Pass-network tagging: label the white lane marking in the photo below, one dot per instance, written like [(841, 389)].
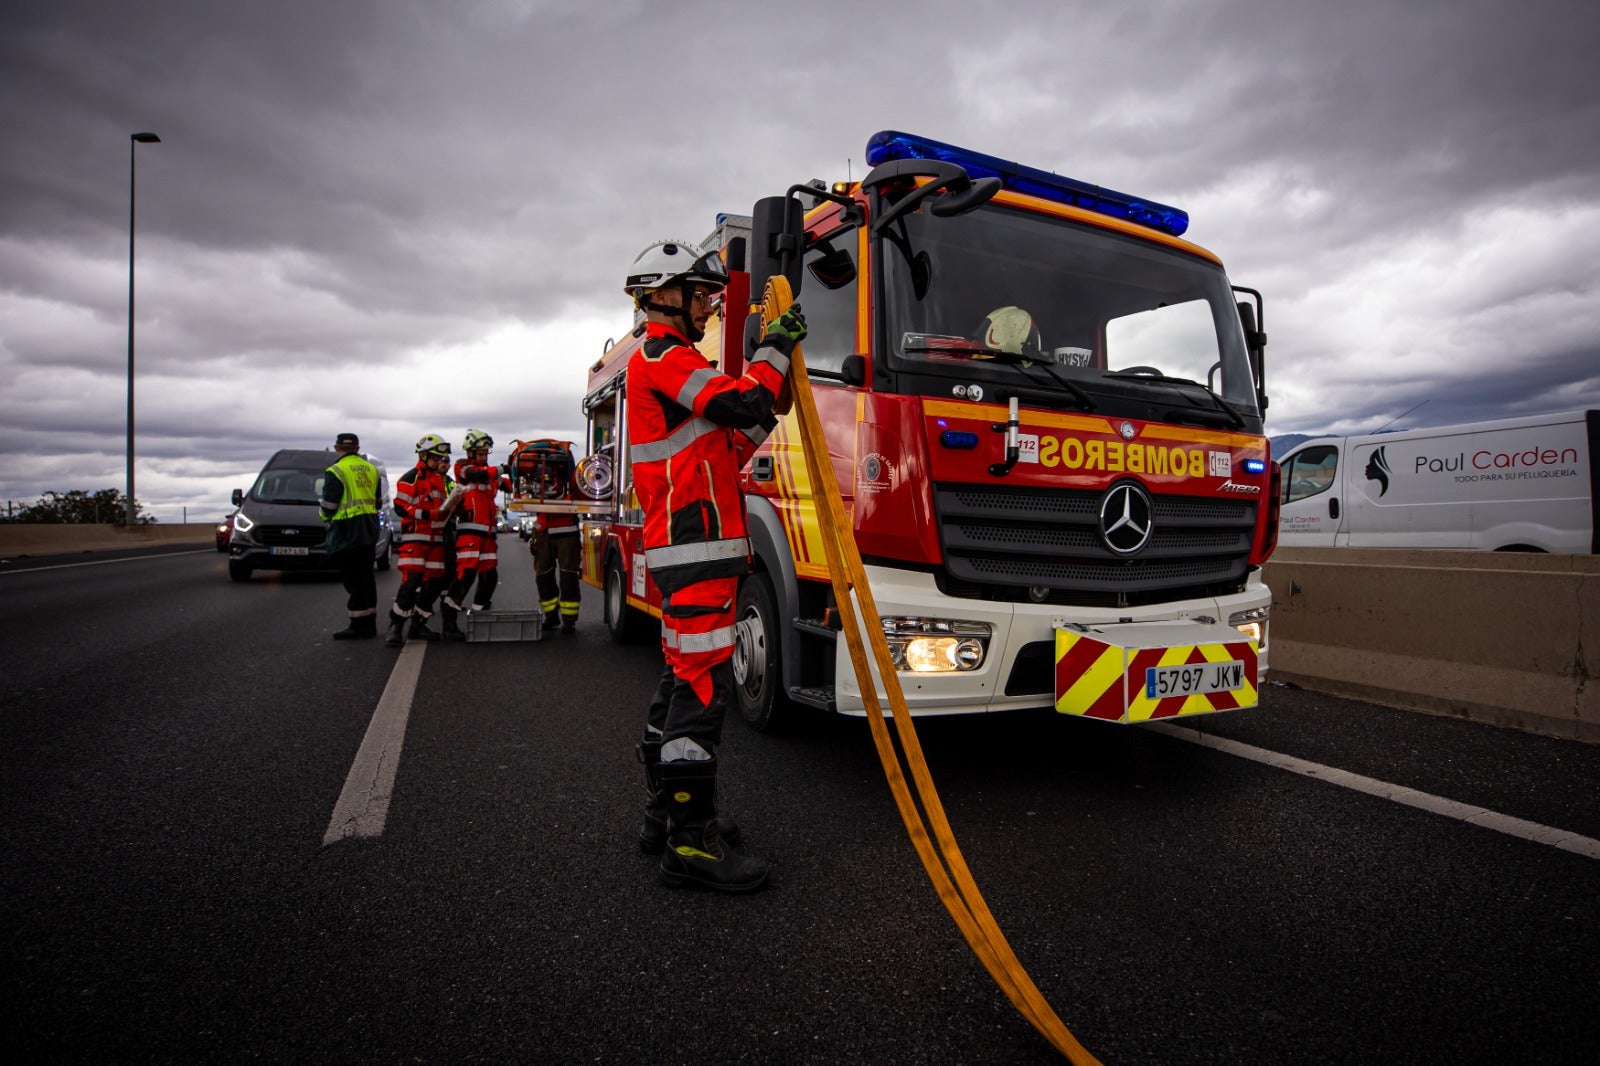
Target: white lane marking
[(363, 806), (100, 562), (1463, 812)]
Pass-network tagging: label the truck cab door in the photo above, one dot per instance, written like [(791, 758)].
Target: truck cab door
[(1311, 510)]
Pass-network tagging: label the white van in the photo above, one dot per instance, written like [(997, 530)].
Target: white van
[(1521, 484)]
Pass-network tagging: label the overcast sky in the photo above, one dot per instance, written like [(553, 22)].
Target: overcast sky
[(408, 216)]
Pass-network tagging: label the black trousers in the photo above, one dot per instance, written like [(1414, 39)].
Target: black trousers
[(355, 570)]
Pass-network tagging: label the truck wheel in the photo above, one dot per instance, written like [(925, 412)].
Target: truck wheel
[(627, 625), (757, 665), (383, 561), (238, 571)]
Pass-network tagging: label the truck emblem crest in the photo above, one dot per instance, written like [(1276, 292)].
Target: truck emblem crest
[(1125, 518)]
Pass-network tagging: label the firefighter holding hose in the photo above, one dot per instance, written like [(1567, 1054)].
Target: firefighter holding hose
[(692, 428)]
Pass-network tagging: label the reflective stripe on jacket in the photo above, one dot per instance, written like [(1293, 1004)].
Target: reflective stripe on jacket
[(691, 429), (419, 495), (480, 484)]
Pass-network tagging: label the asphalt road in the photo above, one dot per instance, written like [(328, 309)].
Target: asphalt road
[(174, 745)]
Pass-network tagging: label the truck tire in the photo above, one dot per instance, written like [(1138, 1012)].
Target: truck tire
[(383, 561), (238, 571), (627, 625), (757, 662)]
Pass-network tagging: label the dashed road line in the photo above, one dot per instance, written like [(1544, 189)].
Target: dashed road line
[(1462, 812), (363, 806)]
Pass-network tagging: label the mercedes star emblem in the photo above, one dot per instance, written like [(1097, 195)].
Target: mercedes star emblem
[(1125, 513)]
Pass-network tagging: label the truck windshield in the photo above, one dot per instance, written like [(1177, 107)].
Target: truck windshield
[(1001, 294)]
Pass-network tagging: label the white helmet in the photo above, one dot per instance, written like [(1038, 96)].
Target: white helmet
[(433, 444), (1011, 329), (666, 262)]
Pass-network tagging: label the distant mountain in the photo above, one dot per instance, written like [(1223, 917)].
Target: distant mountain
[(1283, 445)]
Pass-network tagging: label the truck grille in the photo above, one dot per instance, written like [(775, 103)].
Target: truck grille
[(999, 541)]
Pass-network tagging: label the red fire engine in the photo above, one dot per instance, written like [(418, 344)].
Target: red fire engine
[(1044, 414)]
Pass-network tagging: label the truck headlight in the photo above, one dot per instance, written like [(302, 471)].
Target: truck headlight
[(1252, 623), (936, 645)]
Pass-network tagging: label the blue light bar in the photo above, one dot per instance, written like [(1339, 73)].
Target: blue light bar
[(1254, 466), (888, 145)]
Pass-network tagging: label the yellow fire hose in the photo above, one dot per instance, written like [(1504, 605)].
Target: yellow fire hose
[(955, 886)]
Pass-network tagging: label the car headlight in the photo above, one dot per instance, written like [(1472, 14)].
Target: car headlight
[(936, 645), (242, 523)]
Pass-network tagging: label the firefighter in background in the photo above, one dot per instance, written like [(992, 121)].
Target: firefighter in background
[(419, 497), (476, 558), (557, 552), (692, 428)]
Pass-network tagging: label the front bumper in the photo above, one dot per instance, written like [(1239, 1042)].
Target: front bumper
[(1018, 671)]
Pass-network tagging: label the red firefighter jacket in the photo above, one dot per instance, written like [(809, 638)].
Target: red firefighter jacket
[(480, 483), (692, 428), (418, 496)]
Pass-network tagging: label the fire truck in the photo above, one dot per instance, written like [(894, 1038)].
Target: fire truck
[(1043, 411)]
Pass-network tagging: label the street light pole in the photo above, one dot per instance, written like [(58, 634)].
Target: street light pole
[(134, 140)]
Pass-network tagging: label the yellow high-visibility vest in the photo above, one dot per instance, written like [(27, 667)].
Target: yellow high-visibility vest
[(360, 481)]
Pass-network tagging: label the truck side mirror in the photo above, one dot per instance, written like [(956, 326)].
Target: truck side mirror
[(777, 243), (1253, 320), (854, 370), (238, 497)]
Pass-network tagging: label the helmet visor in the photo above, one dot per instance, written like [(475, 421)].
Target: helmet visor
[(708, 269)]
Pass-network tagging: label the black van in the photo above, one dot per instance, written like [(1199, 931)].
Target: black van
[(278, 525)]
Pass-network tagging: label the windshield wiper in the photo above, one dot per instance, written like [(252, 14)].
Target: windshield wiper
[(1152, 375), (1018, 360)]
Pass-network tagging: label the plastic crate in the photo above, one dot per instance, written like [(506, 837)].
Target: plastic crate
[(495, 626)]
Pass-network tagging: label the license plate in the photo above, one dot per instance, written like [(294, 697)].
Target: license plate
[(291, 551), (1193, 680)]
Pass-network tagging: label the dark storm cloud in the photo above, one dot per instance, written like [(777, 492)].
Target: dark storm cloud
[(365, 191)]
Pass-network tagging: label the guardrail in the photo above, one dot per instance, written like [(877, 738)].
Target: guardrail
[(26, 538), (1491, 636)]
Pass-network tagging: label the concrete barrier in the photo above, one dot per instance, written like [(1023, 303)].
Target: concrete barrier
[(1491, 636), (18, 538)]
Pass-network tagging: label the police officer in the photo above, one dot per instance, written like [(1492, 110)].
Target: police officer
[(692, 428), (349, 506)]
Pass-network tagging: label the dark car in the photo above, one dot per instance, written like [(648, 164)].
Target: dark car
[(278, 525), (224, 533)]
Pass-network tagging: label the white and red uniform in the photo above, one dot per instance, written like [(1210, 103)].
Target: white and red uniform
[(692, 428), (476, 554)]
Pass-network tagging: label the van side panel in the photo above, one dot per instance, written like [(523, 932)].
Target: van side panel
[(1526, 483), (1402, 493)]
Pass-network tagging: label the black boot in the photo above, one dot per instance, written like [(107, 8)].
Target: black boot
[(653, 833), (362, 628), (451, 630), (420, 630), (396, 637), (696, 854)]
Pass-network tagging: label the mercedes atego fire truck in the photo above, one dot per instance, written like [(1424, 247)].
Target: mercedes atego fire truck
[(1043, 411)]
